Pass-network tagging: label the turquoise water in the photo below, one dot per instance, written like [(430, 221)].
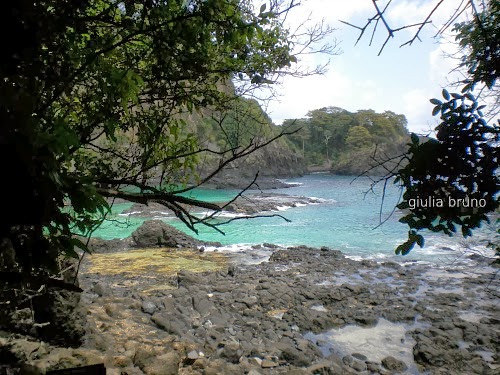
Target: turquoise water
[(347, 220)]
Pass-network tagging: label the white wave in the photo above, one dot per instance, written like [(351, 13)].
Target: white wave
[(355, 257), (130, 213), (230, 214), (291, 183), (236, 248), (321, 200), (283, 208), (244, 254)]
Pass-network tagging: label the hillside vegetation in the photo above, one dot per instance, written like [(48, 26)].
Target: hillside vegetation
[(245, 123), (346, 142)]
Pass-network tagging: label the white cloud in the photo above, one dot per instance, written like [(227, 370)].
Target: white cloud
[(401, 80), (330, 10), (417, 109), (442, 64), (301, 95)]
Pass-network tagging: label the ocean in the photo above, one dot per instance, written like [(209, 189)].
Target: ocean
[(347, 219)]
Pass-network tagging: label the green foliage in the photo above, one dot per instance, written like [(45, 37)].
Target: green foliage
[(358, 137), (97, 94), (350, 138), (481, 38), (460, 165), (458, 168)]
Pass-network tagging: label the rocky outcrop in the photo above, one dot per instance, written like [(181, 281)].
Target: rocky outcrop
[(255, 203), (52, 314), (100, 246), (152, 233), (251, 203), (156, 233), (276, 160)]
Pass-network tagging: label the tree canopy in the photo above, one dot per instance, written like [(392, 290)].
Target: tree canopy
[(95, 97), (345, 142)]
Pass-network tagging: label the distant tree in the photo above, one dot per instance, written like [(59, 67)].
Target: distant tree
[(327, 134), (359, 137), (304, 135)]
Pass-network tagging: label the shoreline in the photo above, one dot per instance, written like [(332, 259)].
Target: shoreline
[(290, 315)]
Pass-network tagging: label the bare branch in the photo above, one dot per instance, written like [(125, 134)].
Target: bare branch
[(253, 217)]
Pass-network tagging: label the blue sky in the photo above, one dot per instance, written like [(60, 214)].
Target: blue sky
[(401, 79)]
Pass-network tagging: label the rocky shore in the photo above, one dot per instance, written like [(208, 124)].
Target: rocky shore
[(249, 204), (303, 311)]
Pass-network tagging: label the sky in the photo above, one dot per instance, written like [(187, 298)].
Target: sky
[(401, 79)]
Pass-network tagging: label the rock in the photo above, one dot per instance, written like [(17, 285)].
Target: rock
[(156, 233), (270, 245), (101, 289), (326, 368), (295, 357), (255, 361), (359, 366), (373, 367), (170, 324), (359, 356), (393, 364), (166, 364), (65, 316), (148, 307), (193, 354), (267, 363), (428, 355), (258, 319), (143, 356), (122, 361), (100, 246), (347, 360), (231, 351), (186, 278)]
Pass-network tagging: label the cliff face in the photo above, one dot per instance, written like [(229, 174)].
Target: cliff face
[(244, 125), (277, 160)]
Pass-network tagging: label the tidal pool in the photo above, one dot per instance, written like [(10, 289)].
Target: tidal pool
[(383, 340)]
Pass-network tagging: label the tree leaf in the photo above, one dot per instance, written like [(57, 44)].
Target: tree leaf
[(446, 94)]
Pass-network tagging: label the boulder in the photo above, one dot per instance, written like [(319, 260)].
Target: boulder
[(156, 233), (393, 364), (100, 246)]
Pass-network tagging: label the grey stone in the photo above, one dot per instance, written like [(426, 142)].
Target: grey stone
[(359, 356), (156, 233), (186, 278), (393, 364), (169, 324), (267, 363), (148, 307), (193, 354), (295, 357), (101, 289), (166, 364), (358, 365), (231, 351)]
